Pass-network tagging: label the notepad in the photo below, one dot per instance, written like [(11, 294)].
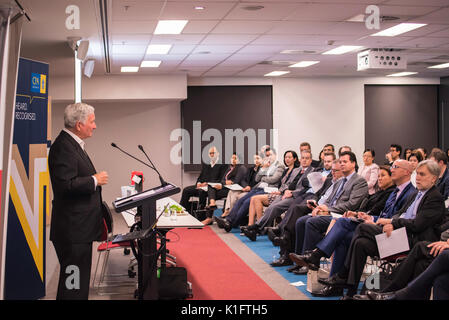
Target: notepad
[(235, 187), (214, 184), (396, 243), (270, 189)]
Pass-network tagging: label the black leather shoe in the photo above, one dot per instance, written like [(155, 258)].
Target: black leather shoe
[(273, 233), (254, 227), (219, 221), (280, 241), (305, 261), (335, 281), (227, 225), (282, 261), (328, 291), (301, 270), (292, 269), (347, 298), (251, 234), (372, 295)]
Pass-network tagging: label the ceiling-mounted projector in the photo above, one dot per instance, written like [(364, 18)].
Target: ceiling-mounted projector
[(381, 59)]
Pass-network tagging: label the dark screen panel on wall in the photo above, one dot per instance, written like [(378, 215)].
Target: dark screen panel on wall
[(402, 114), (232, 118)]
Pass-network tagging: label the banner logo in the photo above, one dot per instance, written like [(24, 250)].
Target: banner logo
[(38, 83)]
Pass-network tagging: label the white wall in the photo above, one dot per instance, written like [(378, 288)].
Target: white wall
[(129, 124)]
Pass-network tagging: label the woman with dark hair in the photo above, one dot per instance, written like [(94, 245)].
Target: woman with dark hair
[(234, 174), (259, 201), (369, 170), (415, 158), (407, 153)]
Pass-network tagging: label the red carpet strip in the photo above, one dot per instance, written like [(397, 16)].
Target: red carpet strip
[(215, 271)]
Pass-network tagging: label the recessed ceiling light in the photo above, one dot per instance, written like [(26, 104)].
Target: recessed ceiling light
[(357, 18), (292, 51), (129, 69), (158, 48), (304, 64), (150, 64), (401, 74), (253, 8), (440, 66), (398, 29), (276, 73), (170, 26), (199, 8), (343, 49)]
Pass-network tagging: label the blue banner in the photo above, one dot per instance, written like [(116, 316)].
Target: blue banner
[(29, 185)]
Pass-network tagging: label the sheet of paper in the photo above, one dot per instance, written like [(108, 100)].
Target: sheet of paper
[(203, 188), (270, 189), (213, 184), (235, 187), (297, 284), (336, 215), (396, 243)]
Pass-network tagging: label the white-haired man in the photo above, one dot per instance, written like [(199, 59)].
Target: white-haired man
[(77, 218)]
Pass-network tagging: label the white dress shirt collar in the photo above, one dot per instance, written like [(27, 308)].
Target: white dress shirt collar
[(74, 136)]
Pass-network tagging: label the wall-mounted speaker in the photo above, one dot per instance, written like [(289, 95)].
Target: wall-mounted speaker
[(89, 67)]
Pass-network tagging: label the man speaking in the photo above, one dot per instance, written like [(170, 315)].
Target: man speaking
[(77, 218)]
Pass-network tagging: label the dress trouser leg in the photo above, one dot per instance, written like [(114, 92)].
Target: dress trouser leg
[(187, 192), (75, 260)]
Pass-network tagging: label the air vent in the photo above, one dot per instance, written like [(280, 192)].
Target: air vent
[(277, 63), (253, 8), (388, 18), (298, 52)]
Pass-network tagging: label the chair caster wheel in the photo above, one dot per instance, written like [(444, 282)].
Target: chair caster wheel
[(126, 251), (131, 273)]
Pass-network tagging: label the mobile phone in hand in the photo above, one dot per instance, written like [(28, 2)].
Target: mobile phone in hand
[(312, 203)]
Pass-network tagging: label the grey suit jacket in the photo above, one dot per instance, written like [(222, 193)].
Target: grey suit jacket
[(271, 177), (353, 193), (299, 187)]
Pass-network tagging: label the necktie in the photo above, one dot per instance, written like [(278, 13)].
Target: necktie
[(411, 210), (338, 193), (388, 210)]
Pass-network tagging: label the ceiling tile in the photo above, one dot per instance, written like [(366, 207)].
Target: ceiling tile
[(220, 39), (243, 27), (135, 10), (186, 10), (271, 11), (323, 12)]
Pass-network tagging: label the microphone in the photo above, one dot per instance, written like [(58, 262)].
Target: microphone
[(163, 183), (116, 146)]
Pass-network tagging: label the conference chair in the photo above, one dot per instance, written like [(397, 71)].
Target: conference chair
[(105, 247)]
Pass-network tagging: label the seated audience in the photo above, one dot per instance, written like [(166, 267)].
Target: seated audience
[(259, 201), (211, 172), (419, 216), (394, 154), (383, 203), (443, 181), (284, 234), (269, 175), (414, 158), (369, 170), (347, 195), (283, 200), (234, 174), (305, 146), (407, 153), (247, 183)]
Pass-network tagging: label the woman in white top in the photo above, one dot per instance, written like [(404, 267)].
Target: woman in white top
[(414, 159), (369, 170)]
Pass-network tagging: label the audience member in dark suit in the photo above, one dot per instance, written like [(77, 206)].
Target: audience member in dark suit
[(416, 262), (384, 203), (234, 174), (290, 173), (419, 216), (247, 184), (211, 172), (77, 218), (268, 176), (394, 154), (443, 181), (305, 146), (347, 195), (284, 235), (290, 191)]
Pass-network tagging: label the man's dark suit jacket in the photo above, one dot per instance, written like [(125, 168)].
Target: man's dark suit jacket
[(211, 174), (429, 216), (76, 214)]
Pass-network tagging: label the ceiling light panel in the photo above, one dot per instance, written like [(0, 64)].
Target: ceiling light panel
[(170, 26), (150, 64), (129, 69), (440, 66), (304, 64), (276, 73), (401, 74), (398, 29), (343, 49)]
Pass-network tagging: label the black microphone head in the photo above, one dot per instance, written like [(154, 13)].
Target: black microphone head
[(114, 145), (140, 147)]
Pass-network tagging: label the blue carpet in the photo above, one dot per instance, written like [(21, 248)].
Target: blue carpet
[(267, 252)]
